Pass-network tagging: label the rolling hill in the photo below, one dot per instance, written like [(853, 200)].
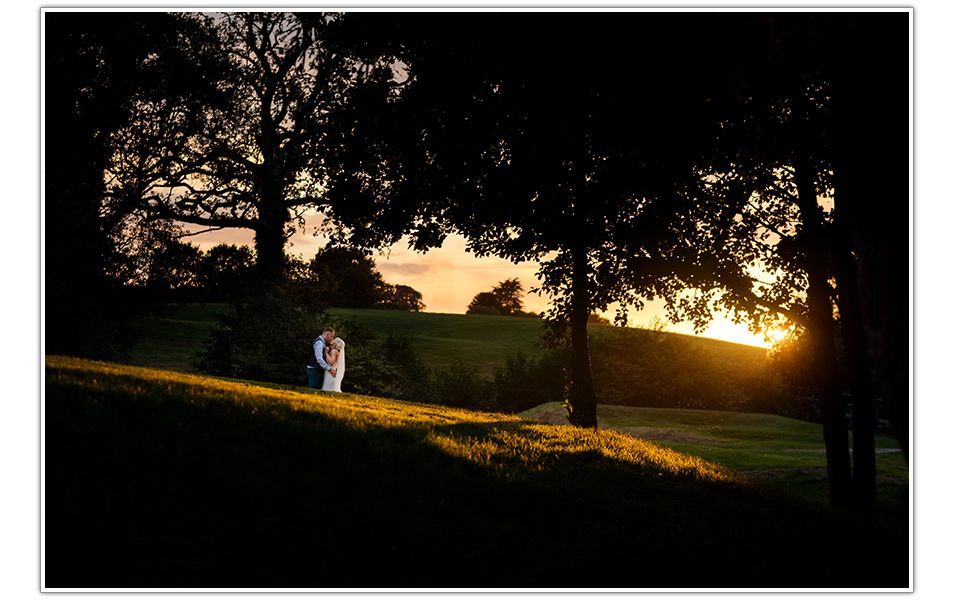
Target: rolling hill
[(160, 479), (480, 341)]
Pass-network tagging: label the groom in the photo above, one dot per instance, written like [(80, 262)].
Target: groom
[(316, 361)]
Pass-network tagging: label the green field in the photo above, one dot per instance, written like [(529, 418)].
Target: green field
[(169, 343), (482, 342), (785, 452), (164, 479)]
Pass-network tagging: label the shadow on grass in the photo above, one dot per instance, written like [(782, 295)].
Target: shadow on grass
[(169, 491)]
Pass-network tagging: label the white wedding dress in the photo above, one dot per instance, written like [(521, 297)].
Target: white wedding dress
[(333, 384)]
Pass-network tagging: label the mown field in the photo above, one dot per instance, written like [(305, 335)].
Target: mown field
[(480, 341), (162, 479), (784, 452)]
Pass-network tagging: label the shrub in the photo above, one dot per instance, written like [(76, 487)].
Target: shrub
[(463, 387), (523, 382), (480, 309), (268, 338), (264, 338), (412, 380)]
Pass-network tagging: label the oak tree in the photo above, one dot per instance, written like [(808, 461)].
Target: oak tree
[(262, 166), (557, 138)]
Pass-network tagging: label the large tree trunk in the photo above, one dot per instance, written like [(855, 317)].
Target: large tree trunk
[(856, 352), (821, 329), (873, 190), (270, 236), (582, 390), (270, 252)]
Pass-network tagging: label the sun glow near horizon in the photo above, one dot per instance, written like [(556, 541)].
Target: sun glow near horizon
[(449, 277)]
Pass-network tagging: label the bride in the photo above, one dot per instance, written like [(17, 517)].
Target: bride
[(334, 356)]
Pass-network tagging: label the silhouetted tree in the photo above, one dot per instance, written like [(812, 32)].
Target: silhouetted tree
[(779, 152), (872, 220), (106, 75), (224, 273), (506, 298), (401, 297), (264, 163), (351, 278), (566, 162), (174, 272), (510, 295), (485, 303)]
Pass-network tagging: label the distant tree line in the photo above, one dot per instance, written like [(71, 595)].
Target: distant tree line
[(336, 277)]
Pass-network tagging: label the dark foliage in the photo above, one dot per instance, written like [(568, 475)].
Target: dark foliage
[(401, 297), (641, 367), (411, 379), (100, 69), (484, 303), (267, 337), (505, 298), (462, 387), (350, 278), (632, 367), (264, 338), (520, 384), (224, 272), (523, 382)]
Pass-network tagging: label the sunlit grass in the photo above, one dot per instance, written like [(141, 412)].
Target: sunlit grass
[(176, 480), (780, 450), (506, 445)]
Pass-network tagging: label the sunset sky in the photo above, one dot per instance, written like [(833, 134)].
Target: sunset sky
[(449, 278)]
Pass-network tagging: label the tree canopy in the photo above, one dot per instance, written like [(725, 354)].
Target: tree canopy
[(261, 165), (561, 141), (121, 92)]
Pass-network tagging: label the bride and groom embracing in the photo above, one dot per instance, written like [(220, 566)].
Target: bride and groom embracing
[(326, 363)]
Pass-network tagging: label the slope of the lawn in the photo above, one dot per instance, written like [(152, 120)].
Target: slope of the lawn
[(785, 451), (161, 479), (481, 342)]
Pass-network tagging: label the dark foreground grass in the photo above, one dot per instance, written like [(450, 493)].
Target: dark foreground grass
[(160, 479)]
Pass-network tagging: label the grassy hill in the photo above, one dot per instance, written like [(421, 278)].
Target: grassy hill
[(786, 452), (480, 341), (163, 479)]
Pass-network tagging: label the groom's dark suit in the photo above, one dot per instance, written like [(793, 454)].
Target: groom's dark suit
[(317, 364)]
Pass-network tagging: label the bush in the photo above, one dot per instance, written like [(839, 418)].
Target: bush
[(520, 384), (412, 380), (264, 338), (523, 383), (480, 309), (269, 338), (463, 387)]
